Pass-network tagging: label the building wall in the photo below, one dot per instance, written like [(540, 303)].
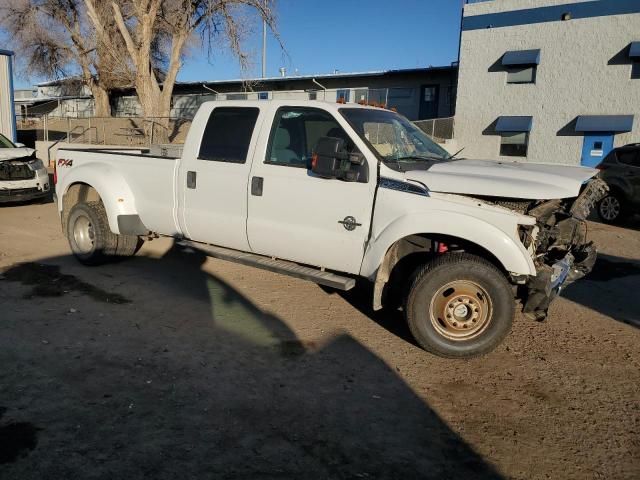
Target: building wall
[(7, 116), (583, 71), (405, 85)]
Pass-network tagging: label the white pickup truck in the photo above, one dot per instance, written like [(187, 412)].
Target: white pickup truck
[(331, 192)]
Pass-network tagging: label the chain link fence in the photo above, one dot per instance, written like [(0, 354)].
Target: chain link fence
[(439, 129), (121, 131), (144, 132)]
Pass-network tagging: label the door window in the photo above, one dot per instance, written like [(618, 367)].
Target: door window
[(228, 134), (629, 157), (296, 133)]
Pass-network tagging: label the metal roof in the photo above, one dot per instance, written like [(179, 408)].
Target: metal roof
[(604, 123), (8, 53), (371, 73), (514, 124), (521, 57)]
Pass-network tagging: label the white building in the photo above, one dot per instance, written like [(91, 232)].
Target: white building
[(7, 113), (548, 80)]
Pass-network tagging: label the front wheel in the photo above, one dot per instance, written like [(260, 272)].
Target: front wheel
[(459, 306)]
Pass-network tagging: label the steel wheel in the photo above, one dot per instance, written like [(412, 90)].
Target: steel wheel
[(84, 234), (461, 310), (610, 208)]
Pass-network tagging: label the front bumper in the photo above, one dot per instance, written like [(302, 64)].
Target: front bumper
[(552, 279), (24, 190)]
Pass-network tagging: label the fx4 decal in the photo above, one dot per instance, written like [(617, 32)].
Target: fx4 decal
[(63, 162)]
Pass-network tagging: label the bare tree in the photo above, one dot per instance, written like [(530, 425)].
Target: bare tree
[(56, 39), (159, 31)]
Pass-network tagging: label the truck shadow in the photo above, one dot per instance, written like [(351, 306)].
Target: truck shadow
[(610, 289), (185, 377)]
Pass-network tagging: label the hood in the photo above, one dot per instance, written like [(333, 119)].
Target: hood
[(534, 181), (15, 153)]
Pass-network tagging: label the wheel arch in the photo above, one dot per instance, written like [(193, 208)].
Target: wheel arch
[(477, 237), (98, 183)]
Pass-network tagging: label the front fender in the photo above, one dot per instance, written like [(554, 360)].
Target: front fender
[(114, 191), (509, 251)]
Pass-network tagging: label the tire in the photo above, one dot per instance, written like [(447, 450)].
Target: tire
[(611, 209), (459, 306), (91, 240)]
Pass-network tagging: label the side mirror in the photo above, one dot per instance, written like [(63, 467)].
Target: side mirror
[(19, 145), (331, 160)]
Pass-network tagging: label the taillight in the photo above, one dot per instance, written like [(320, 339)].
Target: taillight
[(314, 160), (55, 173)]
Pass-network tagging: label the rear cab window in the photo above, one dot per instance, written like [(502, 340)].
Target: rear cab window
[(228, 133), (629, 156)]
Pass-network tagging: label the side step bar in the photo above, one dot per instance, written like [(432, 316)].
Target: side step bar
[(278, 266)]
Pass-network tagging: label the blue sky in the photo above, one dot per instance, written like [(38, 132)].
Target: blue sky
[(347, 35)]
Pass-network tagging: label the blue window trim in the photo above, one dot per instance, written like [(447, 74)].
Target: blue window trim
[(521, 57), (590, 9), (604, 123), (514, 124), (634, 50)]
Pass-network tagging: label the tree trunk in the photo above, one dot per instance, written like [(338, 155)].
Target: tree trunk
[(101, 101)]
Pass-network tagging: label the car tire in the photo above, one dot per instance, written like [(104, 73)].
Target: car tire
[(91, 240), (459, 306), (611, 209)]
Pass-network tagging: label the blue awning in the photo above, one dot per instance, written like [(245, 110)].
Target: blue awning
[(634, 50), (521, 57), (514, 124), (604, 123)]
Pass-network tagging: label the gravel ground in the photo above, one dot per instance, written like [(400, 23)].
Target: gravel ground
[(172, 365)]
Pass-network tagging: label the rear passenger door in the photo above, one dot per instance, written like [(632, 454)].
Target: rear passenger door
[(214, 174)]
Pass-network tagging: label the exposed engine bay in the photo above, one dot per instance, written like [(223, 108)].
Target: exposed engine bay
[(562, 253)]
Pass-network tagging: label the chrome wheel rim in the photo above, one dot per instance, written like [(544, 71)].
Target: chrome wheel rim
[(610, 208), (461, 310), (83, 234)]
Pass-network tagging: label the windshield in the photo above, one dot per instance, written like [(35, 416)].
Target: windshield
[(5, 142), (395, 139)]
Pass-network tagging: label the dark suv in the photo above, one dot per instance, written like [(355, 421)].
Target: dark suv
[(621, 170)]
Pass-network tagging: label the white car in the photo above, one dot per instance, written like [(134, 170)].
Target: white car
[(330, 192), (22, 176)]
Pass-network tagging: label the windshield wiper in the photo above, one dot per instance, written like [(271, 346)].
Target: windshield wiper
[(451, 157), (418, 157)]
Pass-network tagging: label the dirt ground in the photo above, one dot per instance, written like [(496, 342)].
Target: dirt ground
[(170, 365)]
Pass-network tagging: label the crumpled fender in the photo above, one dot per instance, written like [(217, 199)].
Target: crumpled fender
[(113, 189), (513, 256)]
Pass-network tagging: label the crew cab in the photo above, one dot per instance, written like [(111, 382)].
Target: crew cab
[(22, 176), (334, 192)]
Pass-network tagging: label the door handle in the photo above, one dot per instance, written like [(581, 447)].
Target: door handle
[(256, 186), (191, 179)]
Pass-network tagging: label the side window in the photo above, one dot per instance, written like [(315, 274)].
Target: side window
[(228, 134), (526, 74), (629, 157), (296, 133), (514, 144)]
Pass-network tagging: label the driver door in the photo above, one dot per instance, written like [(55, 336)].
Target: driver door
[(298, 216)]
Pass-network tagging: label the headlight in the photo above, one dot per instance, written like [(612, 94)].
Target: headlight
[(36, 164)]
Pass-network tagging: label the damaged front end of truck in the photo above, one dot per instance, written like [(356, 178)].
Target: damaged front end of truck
[(558, 241)]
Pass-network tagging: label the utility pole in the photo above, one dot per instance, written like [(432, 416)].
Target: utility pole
[(264, 48)]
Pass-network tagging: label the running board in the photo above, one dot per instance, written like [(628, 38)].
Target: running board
[(273, 265)]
